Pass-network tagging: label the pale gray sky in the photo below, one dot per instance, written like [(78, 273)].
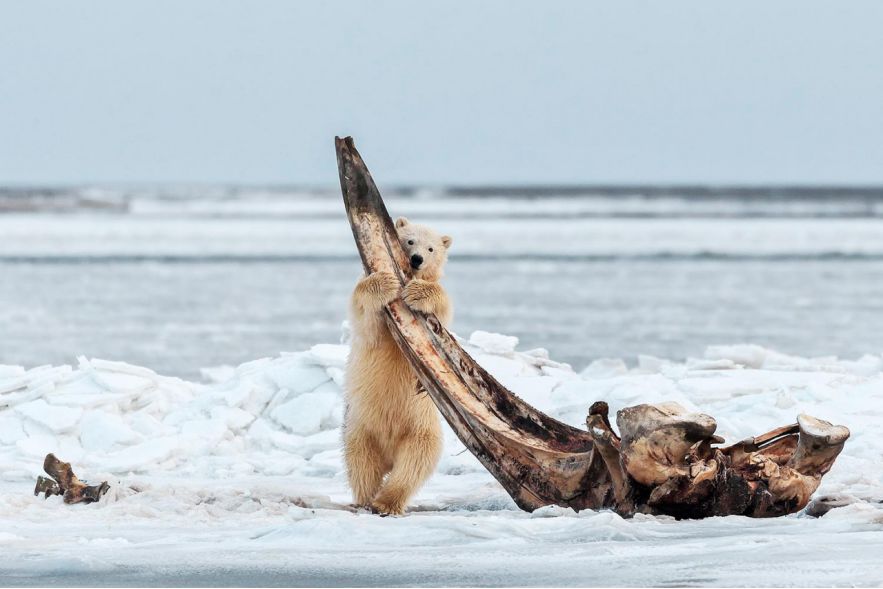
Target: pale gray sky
[(442, 92)]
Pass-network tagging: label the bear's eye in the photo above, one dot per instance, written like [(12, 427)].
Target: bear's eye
[(430, 249), (410, 242)]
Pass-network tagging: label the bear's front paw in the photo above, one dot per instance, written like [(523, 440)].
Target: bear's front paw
[(382, 287), (420, 295)]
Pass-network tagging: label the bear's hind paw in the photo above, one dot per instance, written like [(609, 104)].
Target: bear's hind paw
[(384, 509)]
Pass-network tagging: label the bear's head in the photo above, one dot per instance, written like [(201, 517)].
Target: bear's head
[(427, 251)]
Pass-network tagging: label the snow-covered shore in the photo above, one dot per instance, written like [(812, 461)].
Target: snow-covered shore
[(242, 472)]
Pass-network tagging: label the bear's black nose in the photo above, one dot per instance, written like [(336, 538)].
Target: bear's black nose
[(416, 260)]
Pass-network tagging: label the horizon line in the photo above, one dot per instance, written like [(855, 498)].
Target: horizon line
[(563, 188)]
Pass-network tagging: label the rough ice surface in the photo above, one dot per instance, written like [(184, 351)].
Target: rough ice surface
[(493, 343), (243, 472)]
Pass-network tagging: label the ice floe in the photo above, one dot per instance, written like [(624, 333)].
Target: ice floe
[(251, 456)]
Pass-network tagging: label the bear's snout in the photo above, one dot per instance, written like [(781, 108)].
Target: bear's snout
[(416, 260)]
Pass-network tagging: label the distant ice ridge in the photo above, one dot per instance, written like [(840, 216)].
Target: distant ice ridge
[(221, 222), (441, 201)]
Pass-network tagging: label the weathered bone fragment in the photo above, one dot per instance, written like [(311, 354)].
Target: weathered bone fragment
[(818, 446), (661, 442), (666, 461), (608, 446), (48, 487), (65, 482), (822, 505)]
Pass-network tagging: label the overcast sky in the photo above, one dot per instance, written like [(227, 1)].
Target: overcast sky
[(442, 92)]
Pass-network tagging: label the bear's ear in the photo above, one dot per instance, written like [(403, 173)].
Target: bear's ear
[(446, 241), (401, 222)]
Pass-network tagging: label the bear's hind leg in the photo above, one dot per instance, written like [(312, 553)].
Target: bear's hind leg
[(414, 462), (365, 466)]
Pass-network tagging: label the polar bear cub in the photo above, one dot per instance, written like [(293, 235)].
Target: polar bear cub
[(392, 434)]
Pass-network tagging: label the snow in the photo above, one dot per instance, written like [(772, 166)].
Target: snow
[(243, 472), (306, 414), (101, 431), (493, 343), (57, 419)]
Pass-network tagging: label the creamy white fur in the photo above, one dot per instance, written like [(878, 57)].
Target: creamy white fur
[(392, 435)]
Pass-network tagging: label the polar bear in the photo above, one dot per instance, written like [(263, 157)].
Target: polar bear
[(392, 435)]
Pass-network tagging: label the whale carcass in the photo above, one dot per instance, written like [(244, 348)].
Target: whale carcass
[(664, 460)]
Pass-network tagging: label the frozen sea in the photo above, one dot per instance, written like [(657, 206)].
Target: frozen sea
[(179, 279), (184, 344)]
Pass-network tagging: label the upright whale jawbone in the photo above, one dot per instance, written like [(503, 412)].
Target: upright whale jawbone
[(666, 461)]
